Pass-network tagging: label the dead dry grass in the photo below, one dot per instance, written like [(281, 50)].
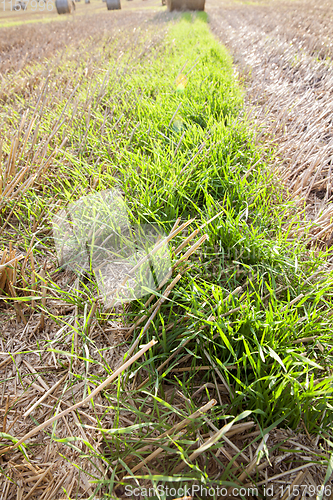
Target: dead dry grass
[(43, 385), (284, 50)]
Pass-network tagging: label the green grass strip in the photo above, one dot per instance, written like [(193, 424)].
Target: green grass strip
[(249, 307)]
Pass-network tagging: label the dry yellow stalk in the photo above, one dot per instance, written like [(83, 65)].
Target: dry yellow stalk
[(96, 391)]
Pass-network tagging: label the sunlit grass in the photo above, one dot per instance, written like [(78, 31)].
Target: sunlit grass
[(246, 316)]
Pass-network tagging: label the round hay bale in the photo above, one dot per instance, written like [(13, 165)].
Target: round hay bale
[(113, 4), (186, 5), (64, 6)]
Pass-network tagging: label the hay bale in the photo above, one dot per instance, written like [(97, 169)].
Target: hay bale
[(64, 6), (113, 4), (186, 5)]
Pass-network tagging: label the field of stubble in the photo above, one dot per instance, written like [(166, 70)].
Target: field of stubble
[(285, 51)]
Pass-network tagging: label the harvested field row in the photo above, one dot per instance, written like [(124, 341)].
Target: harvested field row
[(285, 50), (21, 45)]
